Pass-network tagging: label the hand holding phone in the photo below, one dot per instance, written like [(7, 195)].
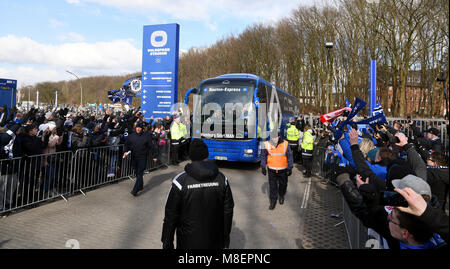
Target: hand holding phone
[(392, 198)]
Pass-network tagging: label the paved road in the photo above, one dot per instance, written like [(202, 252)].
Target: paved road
[(111, 218)]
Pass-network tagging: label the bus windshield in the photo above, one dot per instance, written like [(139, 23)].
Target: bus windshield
[(230, 106)]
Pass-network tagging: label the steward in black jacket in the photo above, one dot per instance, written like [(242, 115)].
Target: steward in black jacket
[(437, 177), (199, 206)]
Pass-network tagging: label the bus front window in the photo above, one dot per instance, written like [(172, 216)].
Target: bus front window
[(227, 111)]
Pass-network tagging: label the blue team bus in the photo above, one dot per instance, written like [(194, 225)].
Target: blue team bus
[(232, 112)]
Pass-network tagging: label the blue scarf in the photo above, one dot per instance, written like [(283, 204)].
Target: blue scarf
[(435, 241)]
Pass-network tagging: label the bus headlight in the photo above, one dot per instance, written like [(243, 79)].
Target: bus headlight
[(248, 150)]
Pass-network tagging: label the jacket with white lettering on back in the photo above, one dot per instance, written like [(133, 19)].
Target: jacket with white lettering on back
[(199, 208)]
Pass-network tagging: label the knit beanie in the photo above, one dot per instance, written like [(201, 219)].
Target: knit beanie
[(372, 154), (396, 171), (198, 150)]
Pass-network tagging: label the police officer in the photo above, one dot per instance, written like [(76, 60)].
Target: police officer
[(292, 136), (139, 144), (307, 150), (276, 159), (177, 132)]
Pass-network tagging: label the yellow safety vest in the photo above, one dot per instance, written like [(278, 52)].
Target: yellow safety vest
[(292, 133), (307, 144), (176, 131)]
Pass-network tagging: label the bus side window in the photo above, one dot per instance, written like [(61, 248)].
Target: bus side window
[(262, 94)]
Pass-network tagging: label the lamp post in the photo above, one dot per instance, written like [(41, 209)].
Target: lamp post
[(81, 87), (329, 46)]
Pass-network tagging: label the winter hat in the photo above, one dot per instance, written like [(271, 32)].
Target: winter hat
[(140, 124), (434, 131), (51, 126), (29, 127), (48, 114), (43, 127), (90, 125), (198, 150), (397, 170), (372, 154), (419, 185)]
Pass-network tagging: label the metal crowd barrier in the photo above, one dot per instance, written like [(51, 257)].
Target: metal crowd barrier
[(318, 163), (356, 232), (31, 180)]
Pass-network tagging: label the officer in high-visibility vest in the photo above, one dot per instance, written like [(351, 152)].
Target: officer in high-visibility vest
[(292, 136), (182, 150), (276, 159), (176, 136), (307, 149)]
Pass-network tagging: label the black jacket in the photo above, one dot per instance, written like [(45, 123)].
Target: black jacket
[(437, 178), (200, 208), (140, 145)]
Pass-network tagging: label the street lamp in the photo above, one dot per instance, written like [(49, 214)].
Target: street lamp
[(329, 46), (81, 87)]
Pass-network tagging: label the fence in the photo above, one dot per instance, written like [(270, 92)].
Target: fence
[(35, 179), (356, 232)]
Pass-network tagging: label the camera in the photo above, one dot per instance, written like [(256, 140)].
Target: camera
[(392, 198)]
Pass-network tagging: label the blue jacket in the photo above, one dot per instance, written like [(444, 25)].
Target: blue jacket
[(379, 170)]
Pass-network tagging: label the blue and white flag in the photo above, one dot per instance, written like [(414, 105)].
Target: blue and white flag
[(357, 106), (118, 95), (377, 119), (130, 88), (377, 109)]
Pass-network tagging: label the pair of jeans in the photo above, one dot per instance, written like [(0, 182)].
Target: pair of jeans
[(139, 168)]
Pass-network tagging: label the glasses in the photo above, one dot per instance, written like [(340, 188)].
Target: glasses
[(389, 217), (431, 160)]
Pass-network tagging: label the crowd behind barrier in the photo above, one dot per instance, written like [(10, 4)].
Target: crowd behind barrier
[(50, 154), (67, 174), (326, 162)]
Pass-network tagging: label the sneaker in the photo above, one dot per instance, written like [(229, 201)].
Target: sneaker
[(281, 200)]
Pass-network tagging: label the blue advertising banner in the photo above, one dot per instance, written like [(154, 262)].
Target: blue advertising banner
[(8, 90), (159, 69)]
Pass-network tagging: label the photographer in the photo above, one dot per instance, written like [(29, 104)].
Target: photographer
[(400, 228), (426, 145)]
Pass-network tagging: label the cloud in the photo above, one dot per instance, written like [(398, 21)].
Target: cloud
[(33, 61), (204, 10)]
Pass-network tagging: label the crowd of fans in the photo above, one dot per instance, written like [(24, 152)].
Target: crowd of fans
[(369, 163), (364, 164), (35, 132)]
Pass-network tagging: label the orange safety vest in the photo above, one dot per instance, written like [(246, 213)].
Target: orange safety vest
[(276, 158)]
